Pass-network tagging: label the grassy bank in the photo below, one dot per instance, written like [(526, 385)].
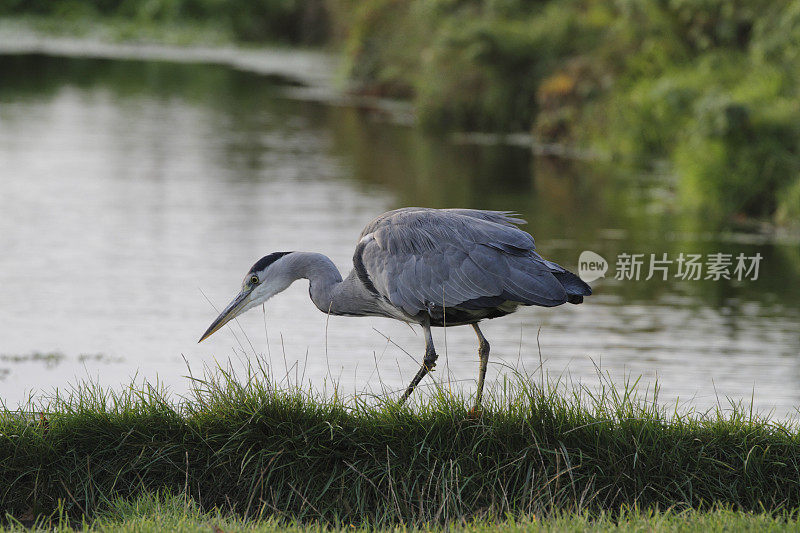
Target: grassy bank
[(243, 447), (154, 512)]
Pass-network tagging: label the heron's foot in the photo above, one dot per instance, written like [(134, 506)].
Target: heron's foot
[(428, 365)]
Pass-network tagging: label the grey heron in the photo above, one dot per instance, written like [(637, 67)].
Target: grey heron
[(432, 267)]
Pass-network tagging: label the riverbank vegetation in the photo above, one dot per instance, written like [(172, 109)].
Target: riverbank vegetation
[(250, 450), (709, 87)]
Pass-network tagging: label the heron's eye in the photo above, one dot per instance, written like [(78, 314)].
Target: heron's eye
[(254, 280)]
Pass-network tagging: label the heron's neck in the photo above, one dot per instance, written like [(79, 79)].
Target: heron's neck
[(328, 291), (323, 276)]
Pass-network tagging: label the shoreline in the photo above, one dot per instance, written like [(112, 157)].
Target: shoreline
[(311, 68), (312, 75)]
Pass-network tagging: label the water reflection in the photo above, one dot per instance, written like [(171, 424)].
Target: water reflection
[(128, 186)]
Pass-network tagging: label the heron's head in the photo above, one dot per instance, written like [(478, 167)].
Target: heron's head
[(264, 280)]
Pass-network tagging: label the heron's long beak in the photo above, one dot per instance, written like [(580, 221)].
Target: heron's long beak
[(230, 312)]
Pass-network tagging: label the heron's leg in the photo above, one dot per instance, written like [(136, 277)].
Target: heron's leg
[(427, 363), (483, 353)]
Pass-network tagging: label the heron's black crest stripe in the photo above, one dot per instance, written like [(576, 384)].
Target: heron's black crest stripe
[(361, 270), (267, 260)]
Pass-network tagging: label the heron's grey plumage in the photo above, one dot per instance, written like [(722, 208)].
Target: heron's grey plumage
[(434, 267), (467, 263)]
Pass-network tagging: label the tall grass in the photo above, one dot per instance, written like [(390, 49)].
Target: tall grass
[(241, 444)]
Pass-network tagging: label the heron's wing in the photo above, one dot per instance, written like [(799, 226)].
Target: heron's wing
[(418, 258), (505, 218)]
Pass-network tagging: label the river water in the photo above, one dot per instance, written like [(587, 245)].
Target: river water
[(134, 196)]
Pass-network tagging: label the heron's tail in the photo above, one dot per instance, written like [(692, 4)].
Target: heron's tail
[(576, 288)]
